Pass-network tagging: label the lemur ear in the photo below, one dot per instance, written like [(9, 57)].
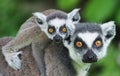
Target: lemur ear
[(109, 30), (71, 29), (74, 15), (70, 32), (40, 18)]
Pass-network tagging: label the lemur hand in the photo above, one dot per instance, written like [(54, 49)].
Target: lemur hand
[(13, 59)]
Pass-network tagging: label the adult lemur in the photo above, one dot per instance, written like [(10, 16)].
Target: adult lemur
[(56, 24), (89, 44)]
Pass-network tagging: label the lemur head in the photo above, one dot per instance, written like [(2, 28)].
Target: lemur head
[(58, 25), (90, 41)]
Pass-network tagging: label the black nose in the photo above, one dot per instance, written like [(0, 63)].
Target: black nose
[(89, 57), (57, 38)]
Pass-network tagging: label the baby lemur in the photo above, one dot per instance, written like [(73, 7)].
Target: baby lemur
[(89, 44), (38, 30)]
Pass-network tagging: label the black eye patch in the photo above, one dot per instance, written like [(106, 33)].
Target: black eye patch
[(98, 43), (51, 29), (63, 29), (79, 43), (39, 21)]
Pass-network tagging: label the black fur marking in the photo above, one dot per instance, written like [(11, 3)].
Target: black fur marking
[(62, 28), (90, 27), (76, 17), (100, 39), (57, 38), (89, 57), (57, 14), (51, 27), (68, 39), (39, 21), (109, 34), (65, 59), (84, 46)]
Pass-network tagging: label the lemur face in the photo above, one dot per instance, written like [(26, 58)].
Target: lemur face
[(90, 41), (58, 25), (57, 29)]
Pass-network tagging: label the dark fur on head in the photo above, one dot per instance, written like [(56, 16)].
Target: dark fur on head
[(90, 27), (59, 14)]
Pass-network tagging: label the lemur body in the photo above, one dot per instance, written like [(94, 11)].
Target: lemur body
[(33, 31), (89, 44)]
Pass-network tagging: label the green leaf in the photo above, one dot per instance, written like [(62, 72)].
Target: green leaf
[(67, 4), (99, 10)]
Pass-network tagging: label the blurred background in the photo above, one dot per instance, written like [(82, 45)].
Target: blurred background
[(14, 12)]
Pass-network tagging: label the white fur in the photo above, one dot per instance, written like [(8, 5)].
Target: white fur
[(81, 67), (77, 60), (70, 26), (12, 59), (109, 26), (88, 38), (40, 16), (74, 12), (57, 22)]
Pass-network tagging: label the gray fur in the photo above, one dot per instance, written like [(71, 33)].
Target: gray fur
[(57, 60), (1, 74), (90, 27), (57, 56), (59, 14)]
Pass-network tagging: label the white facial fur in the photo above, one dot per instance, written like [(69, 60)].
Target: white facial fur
[(57, 23), (76, 54), (89, 38)]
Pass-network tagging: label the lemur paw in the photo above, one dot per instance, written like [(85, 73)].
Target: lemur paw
[(13, 60)]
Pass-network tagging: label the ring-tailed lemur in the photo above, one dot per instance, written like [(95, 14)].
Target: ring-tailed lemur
[(89, 44), (34, 32), (57, 25)]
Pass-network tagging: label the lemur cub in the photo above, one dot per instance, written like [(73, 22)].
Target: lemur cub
[(58, 26), (38, 30), (89, 44)]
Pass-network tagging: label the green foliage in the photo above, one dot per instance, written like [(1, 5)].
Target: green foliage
[(99, 10), (10, 17), (117, 16), (67, 4)]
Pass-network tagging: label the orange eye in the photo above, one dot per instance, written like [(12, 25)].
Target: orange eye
[(79, 44), (98, 43), (50, 30), (64, 29)]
